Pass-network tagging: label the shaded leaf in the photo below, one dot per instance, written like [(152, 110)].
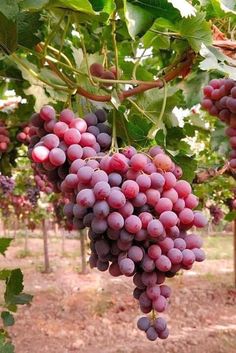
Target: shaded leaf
[(4, 244), (9, 8), (28, 23), (14, 285), (107, 6), (33, 4), (22, 299), (8, 35), (230, 216), (7, 318), (188, 165)]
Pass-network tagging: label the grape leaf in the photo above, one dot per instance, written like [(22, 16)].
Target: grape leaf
[(8, 35), (107, 6), (14, 285), (7, 318), (10, 9), (4, 244), (196, 30), (192, 87), (184, 7), (157, 41), (4, 274), (33, 4), (188, 165), (28, 23), (21, 299), (230, 216), (83, 6), (138, 20), (5, 345), (158, 8)]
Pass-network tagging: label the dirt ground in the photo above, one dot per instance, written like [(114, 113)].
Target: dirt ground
[(74, 313)]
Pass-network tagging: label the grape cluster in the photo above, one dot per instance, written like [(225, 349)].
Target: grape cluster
[(4, 137), (33, 194), (98, 70), (216, 213), (220, 100), (138, 211), (24, 135), (135, 205), (55, 145), (7, 184), (41, 181)]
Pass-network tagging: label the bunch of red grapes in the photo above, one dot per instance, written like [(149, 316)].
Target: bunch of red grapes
[(216, 213), (24, 135), (98, 70), (4, 138), (55, 145), (220, 100), (136, 206)]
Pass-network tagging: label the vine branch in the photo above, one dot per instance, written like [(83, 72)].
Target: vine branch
[(205, 175)]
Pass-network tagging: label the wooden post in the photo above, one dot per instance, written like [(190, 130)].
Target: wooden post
[(234, 234), (45, 248), (83, 236)]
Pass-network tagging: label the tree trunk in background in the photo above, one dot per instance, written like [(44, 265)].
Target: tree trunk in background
[(83, 236), (4, 228), (45, 248), (234, 233), (63, 238), (26, 236), (15, 227), (56, 230)]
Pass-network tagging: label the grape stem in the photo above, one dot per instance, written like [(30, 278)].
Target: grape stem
[(185, 62), (113, 22), (205, 175)]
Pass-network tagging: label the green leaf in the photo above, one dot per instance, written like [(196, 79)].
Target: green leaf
[(4, 244), (8, 318), (5, 345), (138, 20), (138, 129), (9, 8), (8, 35), (4, 274), (33, 4), (231, 216), (157, 41), (158, 8), (14, 285), (22, 299), (188, 165), (28, 23), (196, 30), (160, 137), (107, 6), (184, 7), (192, 87), (83, 6)]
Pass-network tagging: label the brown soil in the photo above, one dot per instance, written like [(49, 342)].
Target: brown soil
[(97, 313)]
